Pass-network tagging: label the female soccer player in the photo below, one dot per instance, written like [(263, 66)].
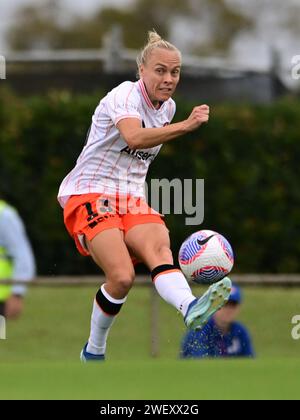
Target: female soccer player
[(103, 196)]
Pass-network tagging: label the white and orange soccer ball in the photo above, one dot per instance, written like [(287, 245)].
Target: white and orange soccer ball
[(206, 257)]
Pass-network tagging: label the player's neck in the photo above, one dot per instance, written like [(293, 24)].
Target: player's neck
[(157, 104)]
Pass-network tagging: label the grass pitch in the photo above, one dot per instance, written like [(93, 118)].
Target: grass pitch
[(40, 358), (172, 380)]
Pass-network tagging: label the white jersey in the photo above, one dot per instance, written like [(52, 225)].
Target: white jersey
[(106, 163)]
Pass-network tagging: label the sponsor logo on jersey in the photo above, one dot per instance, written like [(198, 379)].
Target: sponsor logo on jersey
[(139, 154)]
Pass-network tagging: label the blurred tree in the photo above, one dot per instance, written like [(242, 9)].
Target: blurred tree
[(45, 25), (37, 26), (292, 20), (224, 23)]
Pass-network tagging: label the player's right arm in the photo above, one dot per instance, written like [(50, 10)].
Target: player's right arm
[(145, 138)]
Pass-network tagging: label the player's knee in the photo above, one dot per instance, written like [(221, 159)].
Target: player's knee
[(122, 279), (164, 252)]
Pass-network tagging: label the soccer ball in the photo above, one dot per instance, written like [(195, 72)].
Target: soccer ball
[(206, 257)]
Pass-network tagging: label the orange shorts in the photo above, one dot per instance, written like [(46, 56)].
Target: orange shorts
[(87, 215)]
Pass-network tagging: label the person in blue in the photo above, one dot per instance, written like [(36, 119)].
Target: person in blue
[(223, 336)]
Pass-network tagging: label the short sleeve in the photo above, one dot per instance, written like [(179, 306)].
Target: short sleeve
[(172, 109), (123, 102)]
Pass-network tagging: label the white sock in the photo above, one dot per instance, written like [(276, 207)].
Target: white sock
[(102, 321), (173, 288)]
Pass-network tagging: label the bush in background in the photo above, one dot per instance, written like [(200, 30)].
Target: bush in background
[(247, 154)]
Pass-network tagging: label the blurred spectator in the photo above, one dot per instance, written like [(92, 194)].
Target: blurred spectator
[(16, 261), (222, 336)]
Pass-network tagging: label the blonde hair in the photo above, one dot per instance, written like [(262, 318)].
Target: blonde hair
[(154, 41)]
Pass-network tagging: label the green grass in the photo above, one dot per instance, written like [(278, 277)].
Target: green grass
[(263, 379), (40, 358), (55, 325)]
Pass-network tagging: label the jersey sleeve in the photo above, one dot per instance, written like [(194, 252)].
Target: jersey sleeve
[(172, 110), (16, 243), (124, 102)]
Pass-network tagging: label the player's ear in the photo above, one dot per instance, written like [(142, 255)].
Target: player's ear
[(141, 70)]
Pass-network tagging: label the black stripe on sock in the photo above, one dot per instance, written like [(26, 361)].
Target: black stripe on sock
[(161, 268), (108, 307)]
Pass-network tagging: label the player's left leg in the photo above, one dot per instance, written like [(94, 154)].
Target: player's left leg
[(150, 243)]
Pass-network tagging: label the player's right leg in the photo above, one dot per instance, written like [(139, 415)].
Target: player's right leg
[(110, 253), (94, 223)]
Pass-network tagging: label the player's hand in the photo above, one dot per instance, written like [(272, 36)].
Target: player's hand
[(14, 307), (199, 116)]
